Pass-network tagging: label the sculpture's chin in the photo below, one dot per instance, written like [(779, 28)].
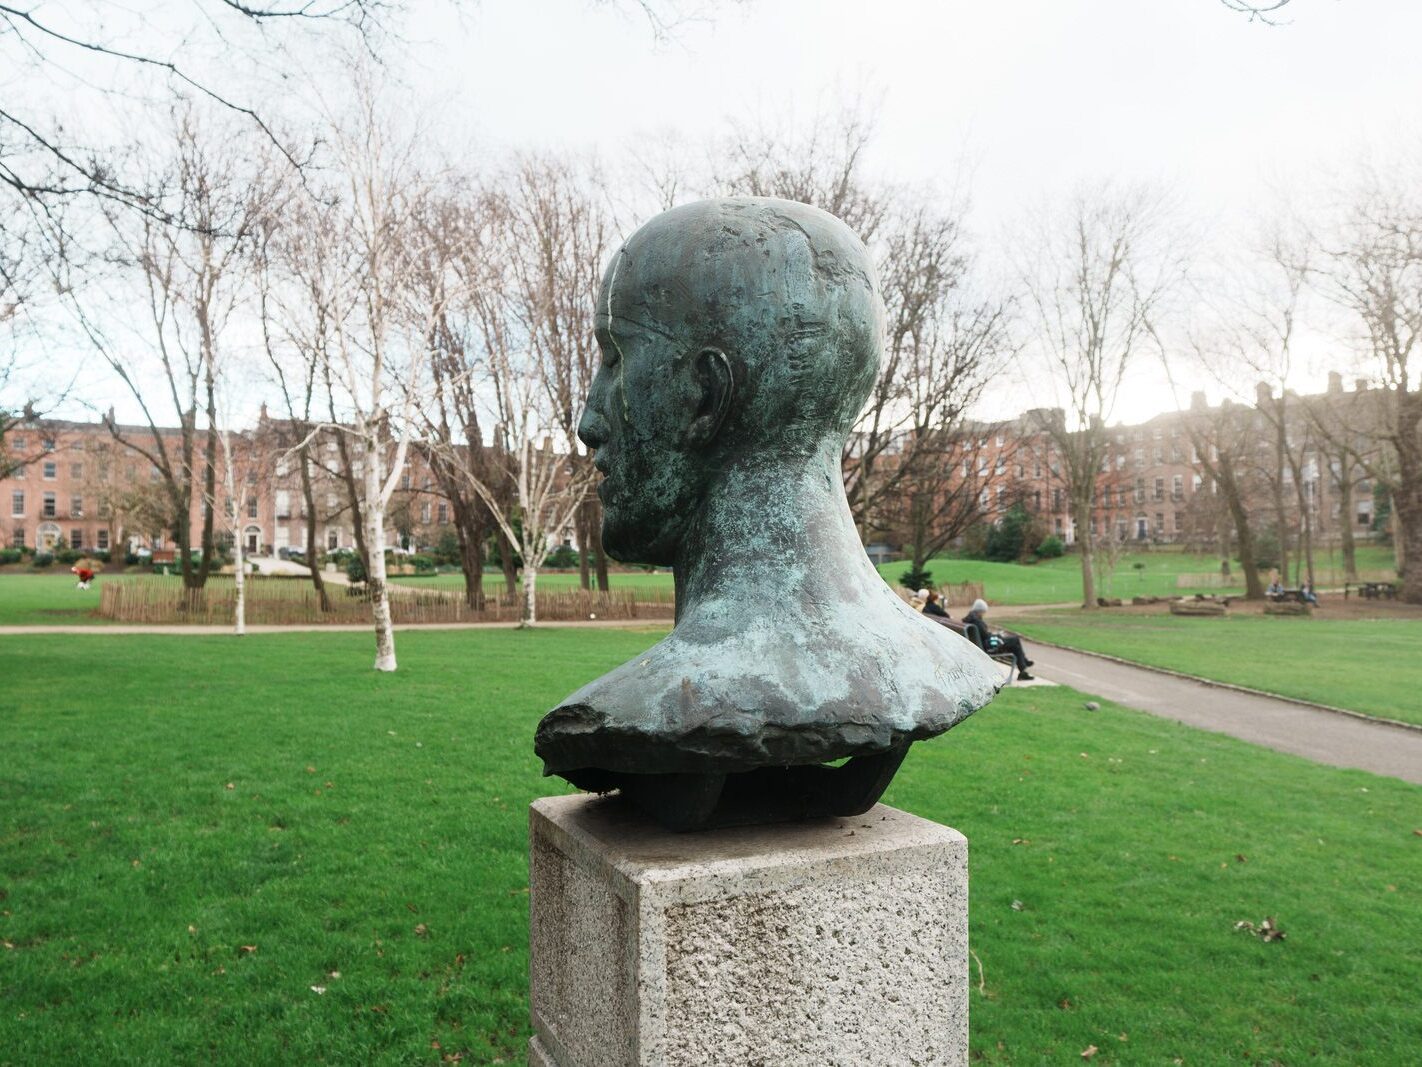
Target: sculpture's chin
[(631, 543)]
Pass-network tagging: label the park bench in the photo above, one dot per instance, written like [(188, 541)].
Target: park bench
[(970, 632)]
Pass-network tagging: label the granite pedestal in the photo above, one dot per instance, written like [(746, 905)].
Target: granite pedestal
[(841, 941)]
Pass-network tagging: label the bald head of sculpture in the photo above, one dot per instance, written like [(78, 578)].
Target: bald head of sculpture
[(739, 333)]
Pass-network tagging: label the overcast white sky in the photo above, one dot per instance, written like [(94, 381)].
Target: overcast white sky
[(1033, 96)]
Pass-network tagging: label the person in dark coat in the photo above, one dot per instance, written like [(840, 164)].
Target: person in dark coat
[(995, 643), (934, 606)]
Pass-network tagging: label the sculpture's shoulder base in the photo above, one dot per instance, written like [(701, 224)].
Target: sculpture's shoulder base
[(833, 941)]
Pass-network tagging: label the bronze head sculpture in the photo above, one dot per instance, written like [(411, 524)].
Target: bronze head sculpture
[(740, 339)]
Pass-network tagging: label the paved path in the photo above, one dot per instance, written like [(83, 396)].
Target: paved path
[(1325, 736)]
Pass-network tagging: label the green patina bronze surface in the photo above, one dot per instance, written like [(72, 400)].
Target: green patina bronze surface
[(740, 339)]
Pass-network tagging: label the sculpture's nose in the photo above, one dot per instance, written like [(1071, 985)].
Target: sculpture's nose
[(592, 427)]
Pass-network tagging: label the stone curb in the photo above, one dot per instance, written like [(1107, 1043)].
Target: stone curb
[(1216, 684)]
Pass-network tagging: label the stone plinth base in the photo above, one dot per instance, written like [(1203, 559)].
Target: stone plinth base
[(843, 941)]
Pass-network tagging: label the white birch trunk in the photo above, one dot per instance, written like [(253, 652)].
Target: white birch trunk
[(530, 592), (239, 612), (375, 572)]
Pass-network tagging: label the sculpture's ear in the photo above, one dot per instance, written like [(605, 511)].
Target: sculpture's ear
[(713, 373)]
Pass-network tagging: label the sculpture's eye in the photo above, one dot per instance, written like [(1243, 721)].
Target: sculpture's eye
[(610, 352)]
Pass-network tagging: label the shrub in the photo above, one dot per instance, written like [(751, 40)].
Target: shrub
[(68, 555), (131, 559), (1014, 536), (102, 555), (355, 568), (1051, 548), (422, 564), (562, 556), (43, 559), (11, 555), (916, 579), (446, 550)]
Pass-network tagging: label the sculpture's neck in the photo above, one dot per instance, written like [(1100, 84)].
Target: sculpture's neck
[(776, 531)]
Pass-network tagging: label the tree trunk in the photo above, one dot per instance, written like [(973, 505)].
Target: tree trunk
[(375, 579), (1407, 536), (239, 607), (1345, 526), (313, 549), (529, 615), (471, 563), (1253, 587), (595, 534), (1081, 513), (506, 560), (580, 525)]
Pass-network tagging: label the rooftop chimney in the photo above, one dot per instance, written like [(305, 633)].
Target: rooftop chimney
[(1335, 383), (1263, 395), (1198, 401), (1361, 385)]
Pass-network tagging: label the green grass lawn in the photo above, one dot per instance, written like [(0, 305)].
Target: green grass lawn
[(1369, 665), (196, 831), (49, 599), (1058, 581)]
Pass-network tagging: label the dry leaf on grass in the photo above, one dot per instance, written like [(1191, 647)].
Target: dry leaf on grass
[(1089, 1051), (1267, 930)]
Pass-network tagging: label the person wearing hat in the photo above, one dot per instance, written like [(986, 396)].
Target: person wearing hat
[(919, 600), (996, 643)]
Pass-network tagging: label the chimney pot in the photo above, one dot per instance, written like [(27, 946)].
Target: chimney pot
[(1335, 383)]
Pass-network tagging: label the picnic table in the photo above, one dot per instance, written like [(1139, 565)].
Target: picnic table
[(1373, 590), (1284, 596)]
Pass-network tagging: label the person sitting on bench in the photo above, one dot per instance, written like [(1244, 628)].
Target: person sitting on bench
[(995, 643), (932, 605)]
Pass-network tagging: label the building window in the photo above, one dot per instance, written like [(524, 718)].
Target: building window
[(103, 540), (48, 505), (76, 471), (281, 467), (405, 480), (51, 471), (17, 503), (251, 507), (17, 537), (331, 502), (47, 443), (1160, 522), (17, 443), (333, 540), (443, 514), (76, 538), (425, 513), (76, 506), (1056, 500), (1160, 488), (283, 504)]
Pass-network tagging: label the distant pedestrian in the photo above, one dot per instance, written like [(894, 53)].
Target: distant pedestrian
[(919, 600), (994, 643), (84, 574), (1309, 596)]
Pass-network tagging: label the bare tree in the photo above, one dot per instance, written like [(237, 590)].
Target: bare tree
[(193, 279), (1096, 275), (376, 364), (1372, 268), (527, 270)]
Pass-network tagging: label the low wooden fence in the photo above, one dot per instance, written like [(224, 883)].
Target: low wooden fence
[(960, 594), (292, 601)]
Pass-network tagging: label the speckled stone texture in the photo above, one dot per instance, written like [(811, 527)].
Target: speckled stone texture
[(842, 941)]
